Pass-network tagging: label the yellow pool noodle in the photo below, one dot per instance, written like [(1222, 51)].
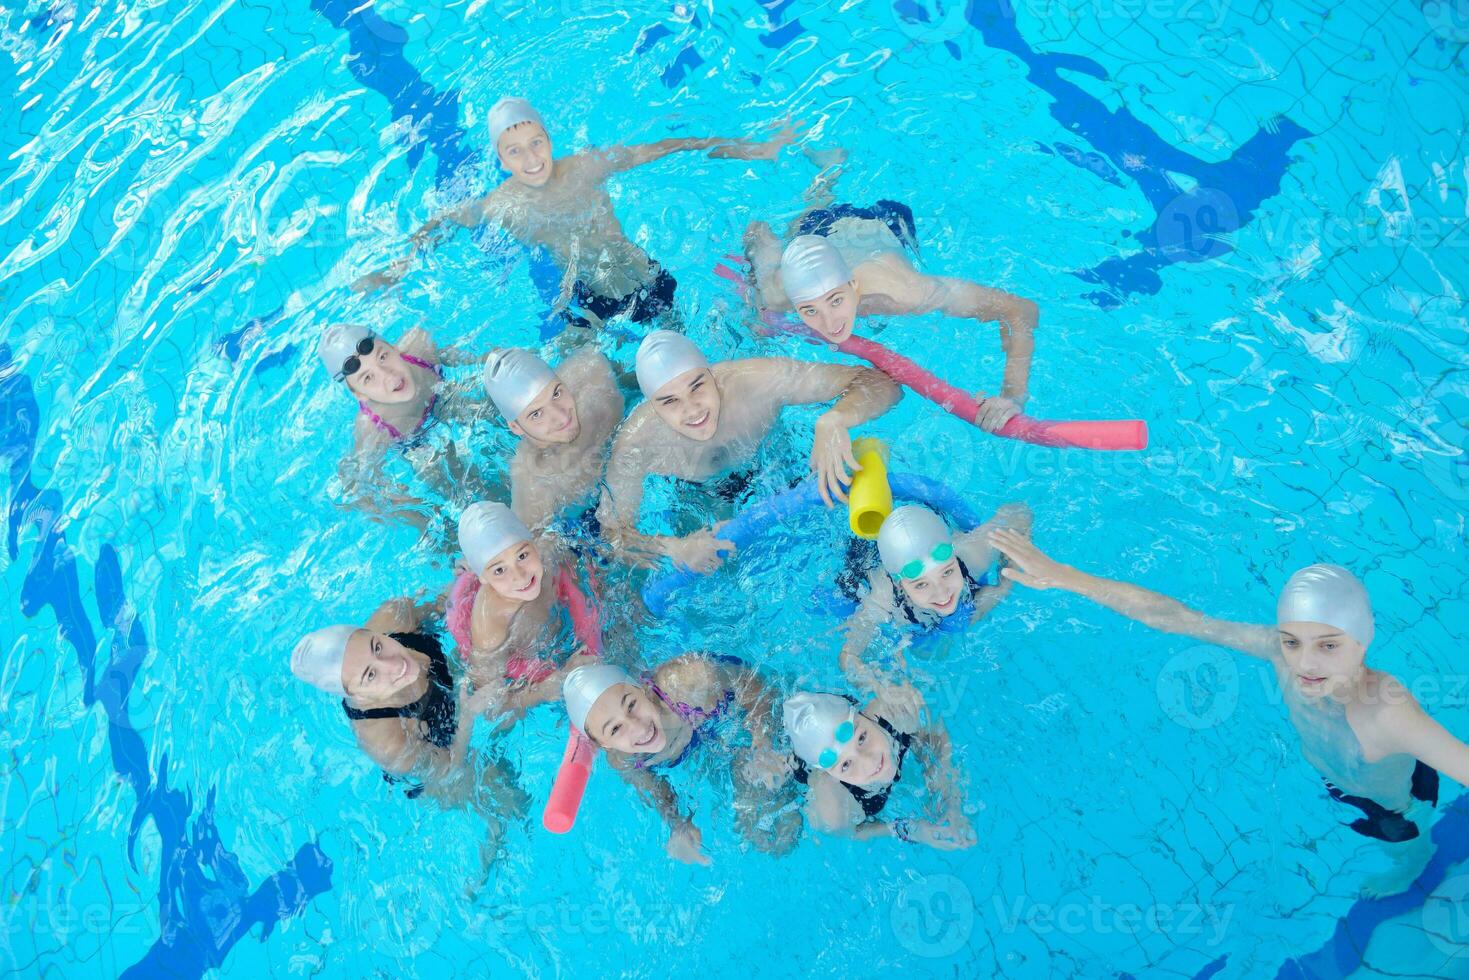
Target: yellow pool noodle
[(869, 499)]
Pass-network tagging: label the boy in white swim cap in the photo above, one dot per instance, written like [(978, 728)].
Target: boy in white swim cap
[(849, 758), (651, 724), (843, 262), (699, 420), (1360, 728), (397, 390), (562, 205), (925, 574), (564, 418)]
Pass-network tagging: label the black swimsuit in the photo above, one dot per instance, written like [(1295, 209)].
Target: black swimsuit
[(871, 801), (649, 301), (862, 557), (1389, 825), (437, 709)]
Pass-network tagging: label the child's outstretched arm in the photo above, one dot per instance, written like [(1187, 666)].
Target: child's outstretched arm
[(719, 147), (469, 214), (860, 629), (685, 843), (1029, 566)]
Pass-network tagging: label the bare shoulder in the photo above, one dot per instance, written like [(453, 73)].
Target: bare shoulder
[(1386, 703), (750, 373), (638, 429), (691, 678), (587, 369), (384, 740), (416, 341)]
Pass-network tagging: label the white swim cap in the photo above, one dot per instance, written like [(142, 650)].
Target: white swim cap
[(338, 342), (487, 528), (510, 111), (583, 686), (911, 533), (1327, 594), (664, 355), (812, 723), (318, 657), (811, 267), (514, 377)]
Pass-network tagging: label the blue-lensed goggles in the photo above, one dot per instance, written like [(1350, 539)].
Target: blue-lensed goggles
[(940, 554), (841, 736)]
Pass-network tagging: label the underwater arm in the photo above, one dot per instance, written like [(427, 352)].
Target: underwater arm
[(684, 841), (466, 215), (621, 506)]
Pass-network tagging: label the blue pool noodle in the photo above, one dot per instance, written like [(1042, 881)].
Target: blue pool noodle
[(759, 517)]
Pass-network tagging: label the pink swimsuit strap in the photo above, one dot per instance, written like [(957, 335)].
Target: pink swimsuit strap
[(390, 429)]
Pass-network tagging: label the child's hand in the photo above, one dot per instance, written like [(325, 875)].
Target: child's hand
[(831, 458), (764, 149), (953, 836), (766, 767), (699, 552), (994, 411), (686, 844), (1028, 564)]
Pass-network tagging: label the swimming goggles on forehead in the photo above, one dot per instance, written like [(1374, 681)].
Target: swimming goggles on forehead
[(353, 363), (940, 554), (841, 736)]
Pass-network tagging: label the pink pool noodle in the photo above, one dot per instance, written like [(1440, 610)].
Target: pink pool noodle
[(1098, 434), (559, 815), (571, 782)]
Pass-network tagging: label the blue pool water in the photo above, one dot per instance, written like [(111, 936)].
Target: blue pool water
[(1243, 223)]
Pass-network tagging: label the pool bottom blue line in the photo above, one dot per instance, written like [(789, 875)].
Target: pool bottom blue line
[(205, 905), (1343, 952)]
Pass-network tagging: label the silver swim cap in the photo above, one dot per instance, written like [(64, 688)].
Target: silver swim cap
[(911, 533), (1330, 595), (487, 528), (583, 686), (318, 657), (811, 267), (514, 377), (510, 111), (664, 355), (338, 342), (814, 723)]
